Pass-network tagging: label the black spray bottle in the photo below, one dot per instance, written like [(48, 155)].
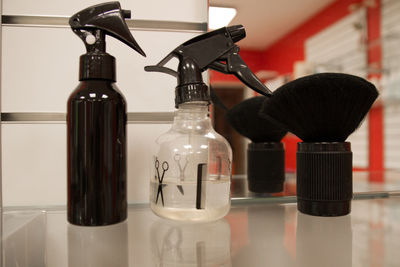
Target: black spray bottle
[(192, 164), (96, 122)]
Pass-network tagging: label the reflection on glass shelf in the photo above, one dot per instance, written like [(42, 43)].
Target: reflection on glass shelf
[(22, 232), (261, 234), (177, 244), (98, 246), (322, 235), (365, 185), (35, 238), (278, 235)]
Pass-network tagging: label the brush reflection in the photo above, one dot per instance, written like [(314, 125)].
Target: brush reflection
[(177, 244), (319, 242), (266, 238), (100, 246)]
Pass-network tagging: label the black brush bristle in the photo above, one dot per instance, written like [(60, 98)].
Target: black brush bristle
[(324, 107), (246, 120)]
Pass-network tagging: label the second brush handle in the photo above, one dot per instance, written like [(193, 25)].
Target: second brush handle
[(266, 167)]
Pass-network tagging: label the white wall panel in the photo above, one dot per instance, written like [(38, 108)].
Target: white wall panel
[(337, 43), (392, 136), (41, 65), (389, 13), (172, 10), (358, 143), (390, 30), (34, 163), (1, 189)]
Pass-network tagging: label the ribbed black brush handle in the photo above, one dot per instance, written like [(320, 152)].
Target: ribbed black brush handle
[(324, 178), (266, 167)]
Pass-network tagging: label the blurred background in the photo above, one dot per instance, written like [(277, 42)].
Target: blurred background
[(290, 39), (285, 40)]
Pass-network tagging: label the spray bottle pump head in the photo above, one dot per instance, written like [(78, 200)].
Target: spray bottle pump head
[(92, 25), (215, 50)]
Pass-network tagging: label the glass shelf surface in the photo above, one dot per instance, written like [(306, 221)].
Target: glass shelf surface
[(254, 234), (259, 230)]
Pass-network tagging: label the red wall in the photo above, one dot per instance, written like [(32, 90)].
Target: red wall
[(376, 151)]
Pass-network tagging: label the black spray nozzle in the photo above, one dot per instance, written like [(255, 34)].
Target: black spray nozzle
[(237, 33), (93, 23), (215, 50), (126, 14)]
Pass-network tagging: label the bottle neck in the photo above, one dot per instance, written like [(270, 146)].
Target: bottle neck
[(98, 65), (192, 116)]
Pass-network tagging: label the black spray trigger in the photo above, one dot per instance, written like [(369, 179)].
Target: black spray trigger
[(100, 20), (235, 65), (238, 67), (205, 51), (165, 70)]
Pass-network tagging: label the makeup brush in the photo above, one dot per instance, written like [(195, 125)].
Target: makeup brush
[(323, 110), (265, 154)]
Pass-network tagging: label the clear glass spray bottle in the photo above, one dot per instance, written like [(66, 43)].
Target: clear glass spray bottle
[(192, 163), (192, 168)]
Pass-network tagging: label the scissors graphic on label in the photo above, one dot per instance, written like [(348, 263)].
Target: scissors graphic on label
[(177, 159), (165, 167)]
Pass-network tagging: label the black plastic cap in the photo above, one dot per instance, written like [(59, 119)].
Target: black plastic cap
[(266, 167), (191, 93), (324, 178), (190, 84), (97, 66)]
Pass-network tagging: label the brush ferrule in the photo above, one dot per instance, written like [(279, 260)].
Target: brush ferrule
[(324, 178), (266, 167)]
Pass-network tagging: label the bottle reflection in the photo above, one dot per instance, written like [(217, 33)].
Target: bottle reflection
[(200, 245), (323, 241), (266, 234), (100, 246)]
